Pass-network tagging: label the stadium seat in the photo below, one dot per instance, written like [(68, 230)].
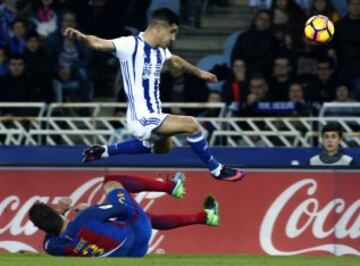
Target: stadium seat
[(208, 63), (229, 45)]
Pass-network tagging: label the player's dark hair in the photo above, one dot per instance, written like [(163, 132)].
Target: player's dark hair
[(166, 15), (46, 218), (332, 126)]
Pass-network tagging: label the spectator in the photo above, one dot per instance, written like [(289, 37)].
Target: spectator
[(347, 45), (178, 86), (343, 94), (17, 43), (257, 46), (71, 61), (281, 79), (326, 8), (258, 93), (15, 87), (44, 17), (4, 68), (213, 97), (286, 16), (332, 155), (296, 95), (37, 69), (322, 87), (7, 16), (235, 87)]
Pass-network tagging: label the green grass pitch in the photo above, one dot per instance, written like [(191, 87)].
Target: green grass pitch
[(177, 260)]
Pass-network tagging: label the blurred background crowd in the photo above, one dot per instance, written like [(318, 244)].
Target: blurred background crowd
[(272, 69)]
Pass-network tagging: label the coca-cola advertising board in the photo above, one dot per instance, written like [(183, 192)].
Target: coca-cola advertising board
[(276, 212)]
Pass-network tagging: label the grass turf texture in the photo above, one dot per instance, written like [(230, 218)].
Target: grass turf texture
[(177, 260)]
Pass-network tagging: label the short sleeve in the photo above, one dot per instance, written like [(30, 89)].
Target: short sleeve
[(168, 54), (124, 47)]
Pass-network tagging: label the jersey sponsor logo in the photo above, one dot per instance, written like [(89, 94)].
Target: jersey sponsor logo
[(151, 69)]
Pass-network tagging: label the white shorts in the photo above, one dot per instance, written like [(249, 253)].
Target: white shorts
[(142, 129)]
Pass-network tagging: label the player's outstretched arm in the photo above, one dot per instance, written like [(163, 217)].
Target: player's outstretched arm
[(90, 41), (179, 63)]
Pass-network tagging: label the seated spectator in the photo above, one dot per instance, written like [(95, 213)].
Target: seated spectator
[(178, 86), (326, 8), (17, 42), (286, 16), (4, 68), (213, 97), (343, 94), (15, 86), (281, 79), (7, 16), (258, 93), (322, 87), (44, 17), (235, 87), (296, 95), (257, 46), (38, 69), (347, 45), (71, 62), (332, 155)]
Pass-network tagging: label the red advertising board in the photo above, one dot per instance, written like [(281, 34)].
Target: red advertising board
[(277, 212)]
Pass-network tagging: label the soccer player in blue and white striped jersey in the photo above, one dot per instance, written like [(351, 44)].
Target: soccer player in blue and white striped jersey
[(141, 58)]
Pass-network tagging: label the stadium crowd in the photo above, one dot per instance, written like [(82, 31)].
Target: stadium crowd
[(274, 71)]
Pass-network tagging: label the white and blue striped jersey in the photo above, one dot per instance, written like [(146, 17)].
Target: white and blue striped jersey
[(141, 65)]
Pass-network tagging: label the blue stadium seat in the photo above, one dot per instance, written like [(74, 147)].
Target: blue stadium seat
[(207, 63), (229, 45)]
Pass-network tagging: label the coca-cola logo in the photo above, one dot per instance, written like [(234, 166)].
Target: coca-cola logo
[(20, 225), (346, 226)]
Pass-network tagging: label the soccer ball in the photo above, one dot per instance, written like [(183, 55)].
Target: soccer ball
[(319, 29)]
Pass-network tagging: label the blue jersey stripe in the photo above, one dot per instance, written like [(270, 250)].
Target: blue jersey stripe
[(146, 76), (130, 91), (134, 57), (157, 82), (130, 96)]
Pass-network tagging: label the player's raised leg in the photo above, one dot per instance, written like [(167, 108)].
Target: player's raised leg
[(174, 125), (208, 216), (134, 184)]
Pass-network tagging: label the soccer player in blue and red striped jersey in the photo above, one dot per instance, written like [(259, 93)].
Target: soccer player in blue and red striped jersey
[(120, 227)]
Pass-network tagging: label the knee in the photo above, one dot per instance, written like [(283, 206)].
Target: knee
[(110, 184), (192, 125)]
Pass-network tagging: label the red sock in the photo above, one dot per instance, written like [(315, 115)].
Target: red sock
[(134, 184), (166, 222)]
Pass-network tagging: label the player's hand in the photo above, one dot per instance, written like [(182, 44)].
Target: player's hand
[(64, 205), (73, 33), (207, 76)]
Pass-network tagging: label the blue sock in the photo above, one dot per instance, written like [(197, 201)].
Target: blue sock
[(133, 146), (200, 146)]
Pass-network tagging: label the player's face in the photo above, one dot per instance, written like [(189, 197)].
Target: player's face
[(331, 141), (168, 35)]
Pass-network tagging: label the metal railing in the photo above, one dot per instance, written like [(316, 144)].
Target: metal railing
[(95, 123)]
